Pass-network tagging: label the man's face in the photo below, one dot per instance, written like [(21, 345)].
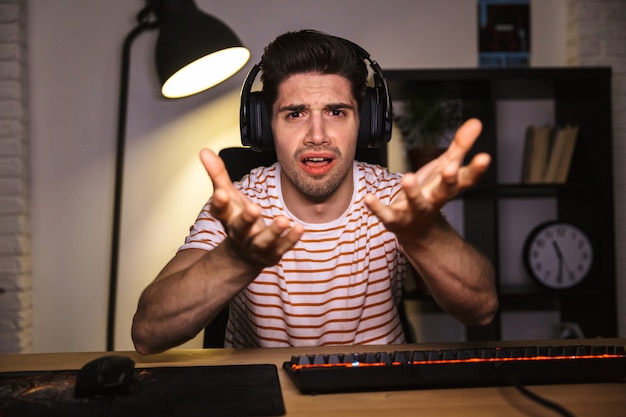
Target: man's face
[(315, 125)]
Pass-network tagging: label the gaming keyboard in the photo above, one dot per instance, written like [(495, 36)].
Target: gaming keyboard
[(457, 368)]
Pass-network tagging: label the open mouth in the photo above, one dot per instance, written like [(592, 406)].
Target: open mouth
[(317, 161), (317, 164)]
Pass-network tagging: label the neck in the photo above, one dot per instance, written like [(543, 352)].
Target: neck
[(318, 210)]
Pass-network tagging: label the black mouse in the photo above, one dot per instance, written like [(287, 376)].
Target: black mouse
[(105, 376)]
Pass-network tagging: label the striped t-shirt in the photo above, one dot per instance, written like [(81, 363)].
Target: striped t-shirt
[(339, 285)]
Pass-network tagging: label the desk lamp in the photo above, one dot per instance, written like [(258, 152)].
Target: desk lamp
[(194, 52)]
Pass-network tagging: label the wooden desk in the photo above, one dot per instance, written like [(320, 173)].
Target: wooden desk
[(606, 400)]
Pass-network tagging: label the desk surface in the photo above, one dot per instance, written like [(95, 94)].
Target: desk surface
[(605, 400)]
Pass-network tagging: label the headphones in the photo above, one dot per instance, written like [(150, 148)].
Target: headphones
[(375, 111)]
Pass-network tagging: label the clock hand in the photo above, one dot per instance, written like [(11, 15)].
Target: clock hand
[(559, 255)]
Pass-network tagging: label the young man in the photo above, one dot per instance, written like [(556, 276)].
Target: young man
[(313, 250)]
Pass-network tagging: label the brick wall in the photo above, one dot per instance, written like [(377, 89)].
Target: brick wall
[(15, 279), (597, 36)]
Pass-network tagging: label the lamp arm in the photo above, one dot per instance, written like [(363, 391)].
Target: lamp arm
[(144, 25)]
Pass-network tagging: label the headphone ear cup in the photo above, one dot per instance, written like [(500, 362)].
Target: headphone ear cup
[(372, 127), (365, 115), (259, 130)]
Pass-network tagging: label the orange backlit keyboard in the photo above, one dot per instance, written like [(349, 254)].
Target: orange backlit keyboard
[(457, 368)]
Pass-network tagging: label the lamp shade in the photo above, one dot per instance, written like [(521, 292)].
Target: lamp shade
[(194, 51)]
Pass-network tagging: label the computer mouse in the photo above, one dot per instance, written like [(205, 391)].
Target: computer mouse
[(105, 376)]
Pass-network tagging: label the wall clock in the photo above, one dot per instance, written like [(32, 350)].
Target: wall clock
[(558, 254)]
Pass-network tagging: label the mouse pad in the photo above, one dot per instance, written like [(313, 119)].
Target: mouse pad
[(223, 390)]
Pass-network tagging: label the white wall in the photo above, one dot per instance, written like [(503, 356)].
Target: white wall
[(74, 60)]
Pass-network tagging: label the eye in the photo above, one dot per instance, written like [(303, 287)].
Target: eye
[(294, 115)]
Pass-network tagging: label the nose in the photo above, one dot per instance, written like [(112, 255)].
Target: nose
[(317, 130)]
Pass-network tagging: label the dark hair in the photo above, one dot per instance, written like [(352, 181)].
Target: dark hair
[(309, 51)]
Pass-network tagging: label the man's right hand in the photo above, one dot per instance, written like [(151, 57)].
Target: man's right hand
[(247, 234)]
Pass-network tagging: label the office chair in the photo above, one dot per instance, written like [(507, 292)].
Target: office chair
[(239, 161)]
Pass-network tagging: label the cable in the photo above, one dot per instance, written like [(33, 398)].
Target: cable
[(533, 396)]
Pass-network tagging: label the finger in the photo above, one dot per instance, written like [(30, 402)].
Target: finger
[(455, 179), (411, 187), (291, 238), (465, 137), (381, 211), (481, 162), (269, 245), (437, 193), (241, 226), (280, 235), (470, 175), (214, 166), (450, 173), (422, 199), (446, 167), (220, 205)]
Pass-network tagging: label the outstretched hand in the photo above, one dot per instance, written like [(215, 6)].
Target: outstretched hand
[(426, 191), (251, 238)]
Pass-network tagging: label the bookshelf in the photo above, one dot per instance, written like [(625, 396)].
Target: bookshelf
[(498, 214)]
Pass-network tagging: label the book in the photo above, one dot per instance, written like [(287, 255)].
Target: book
[(561, 154), (568, 153), (556, 152), (537, 150), (528, 151)]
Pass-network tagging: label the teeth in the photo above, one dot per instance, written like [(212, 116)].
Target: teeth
[(316, 159)]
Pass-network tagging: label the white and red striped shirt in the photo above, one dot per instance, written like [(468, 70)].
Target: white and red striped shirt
[(339, 285)]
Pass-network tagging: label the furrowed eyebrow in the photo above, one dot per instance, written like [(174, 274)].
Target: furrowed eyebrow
[(293, 108), (339, 106), (302, 107)]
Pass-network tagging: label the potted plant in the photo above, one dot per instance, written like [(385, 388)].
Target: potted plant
[(427, 126)]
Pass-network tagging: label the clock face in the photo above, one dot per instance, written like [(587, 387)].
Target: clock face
[(558, 255)]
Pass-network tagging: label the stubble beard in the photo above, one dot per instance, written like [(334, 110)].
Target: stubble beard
[(317, 189)]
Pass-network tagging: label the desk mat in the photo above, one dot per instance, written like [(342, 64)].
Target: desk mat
[(222, 390)]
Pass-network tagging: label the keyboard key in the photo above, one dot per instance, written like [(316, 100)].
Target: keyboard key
[(401, 357), (464, 354), (530, 351), (449, 355), (488, 353), (582, 349), (303, 360), (385, 358), (569, 351), (420, 355), (371, 358), (319, 360)]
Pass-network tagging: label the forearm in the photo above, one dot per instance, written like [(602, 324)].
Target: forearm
[(189, 292), (459, 277)]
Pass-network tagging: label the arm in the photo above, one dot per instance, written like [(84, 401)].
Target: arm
[(196, 284), (459, 277)]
